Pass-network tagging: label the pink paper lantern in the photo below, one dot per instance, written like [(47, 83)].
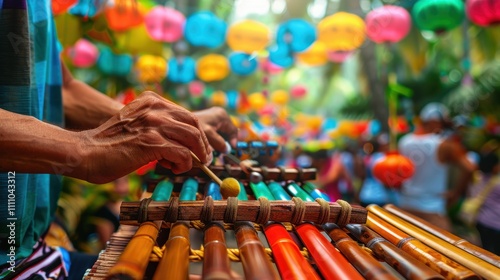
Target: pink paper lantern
[(298, 91), (196, 88), (165, 24), (338, 56), (388, 24), (269, 67), (483, 12), (83, 54)]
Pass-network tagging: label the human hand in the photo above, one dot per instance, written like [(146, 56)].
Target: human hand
[(218, 128), (147, 129)]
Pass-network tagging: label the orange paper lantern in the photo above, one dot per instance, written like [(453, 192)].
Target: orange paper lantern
[(393, 169), (123, 15), (315, 55), (151, 69)]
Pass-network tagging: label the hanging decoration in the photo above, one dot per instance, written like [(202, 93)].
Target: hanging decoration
[(242, 63), (218, 99), (232, 98), (196, 88), (281, 55), (181, 69), (438, 16), (151, 68), (212, 67), (298, 91), (69, 29), (247, 36), (136, 40), (388, 24), (204, 29), (279, 97), (268, 67), (257, 101), (123, 14), (87, 8), (61, 6), (298, 34), (316, 55), (393, 169), (341, 31), (165, 24), (483, 12), (83, 54), (114, 64)]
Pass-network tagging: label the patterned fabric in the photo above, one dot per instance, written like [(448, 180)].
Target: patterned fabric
[(30, 84)]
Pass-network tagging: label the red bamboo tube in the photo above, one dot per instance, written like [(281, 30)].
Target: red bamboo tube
[(331, 263), (255, 261), (175, 262), (291, 264), (216, 263), (433, 259)]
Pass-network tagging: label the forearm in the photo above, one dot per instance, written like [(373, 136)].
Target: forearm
[(85, 107), (28, 145)]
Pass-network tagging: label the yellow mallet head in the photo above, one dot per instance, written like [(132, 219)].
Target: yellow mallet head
[(229, 187)]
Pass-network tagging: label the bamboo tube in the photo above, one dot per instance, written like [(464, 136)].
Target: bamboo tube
[(365, 263), (291, 264), (281, 211), (255, 261), (445, 266), (332, 264), (446, 236), (216, 261), (402, 262), (134, 260), (479, 266), (175, 261)]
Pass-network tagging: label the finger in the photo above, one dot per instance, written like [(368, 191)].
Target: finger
[(190, 137), (216, 140), (176, 157)]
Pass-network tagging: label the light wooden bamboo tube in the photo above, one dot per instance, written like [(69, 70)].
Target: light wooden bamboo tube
[(479, 266), (175, 261)]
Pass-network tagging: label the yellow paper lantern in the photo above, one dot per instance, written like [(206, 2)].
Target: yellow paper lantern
[(212, 67), (219, 98), (315, 55), (248, 36), (279, 97), (342, 31), (314, 122), (151, 69), (257, 100), (137, 41)]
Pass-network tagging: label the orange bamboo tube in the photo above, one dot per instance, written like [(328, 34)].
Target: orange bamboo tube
[(446, 236), (134, 260), (175, 261), (402, 262), (430, 257), (216, 263), (331, 263), (369, 267), (255, 261), (479, 266)]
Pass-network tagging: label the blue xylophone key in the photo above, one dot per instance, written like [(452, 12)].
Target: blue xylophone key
[(213, 190), (163, 191), (313, 191), (278, 191), (243, 193), (189, 189), (296, 191)]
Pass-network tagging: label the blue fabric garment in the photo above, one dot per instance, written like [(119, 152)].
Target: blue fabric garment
[(30, 84)]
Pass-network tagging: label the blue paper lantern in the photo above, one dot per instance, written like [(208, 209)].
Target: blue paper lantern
[(281, 55), (204, 29), (114, 64), (232, 99), (87, 8), (298, 34), (242, 63), (181, 70)]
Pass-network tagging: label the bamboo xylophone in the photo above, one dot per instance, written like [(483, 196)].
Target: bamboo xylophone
[(175, 235)]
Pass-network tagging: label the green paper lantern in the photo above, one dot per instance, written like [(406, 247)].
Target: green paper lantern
[(438, 15)]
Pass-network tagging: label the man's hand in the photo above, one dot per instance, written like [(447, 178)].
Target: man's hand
[(147, 129), (218, 127)]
